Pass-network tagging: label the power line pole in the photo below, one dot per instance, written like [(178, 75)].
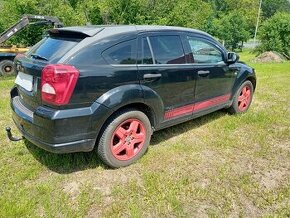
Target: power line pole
[(258, 18)]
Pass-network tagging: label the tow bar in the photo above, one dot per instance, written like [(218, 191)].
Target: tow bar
[(11, 137)]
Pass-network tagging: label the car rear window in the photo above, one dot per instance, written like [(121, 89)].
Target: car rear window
[(52, 49)]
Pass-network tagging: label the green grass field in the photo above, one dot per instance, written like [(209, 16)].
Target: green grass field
[(216, 165)]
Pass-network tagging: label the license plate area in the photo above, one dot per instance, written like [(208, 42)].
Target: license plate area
[(25, 81)]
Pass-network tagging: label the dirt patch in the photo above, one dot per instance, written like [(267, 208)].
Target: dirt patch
[(250, 209), (72, 188), (269, 57), (285, 146), (95, 211), (273, 178), (103, 181)]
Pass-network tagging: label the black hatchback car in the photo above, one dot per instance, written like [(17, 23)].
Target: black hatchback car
[(110, 87)]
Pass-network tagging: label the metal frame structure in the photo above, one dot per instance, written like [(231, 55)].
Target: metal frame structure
[(25, 21)]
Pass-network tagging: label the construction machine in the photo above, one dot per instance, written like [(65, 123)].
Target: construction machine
[(7, 54)]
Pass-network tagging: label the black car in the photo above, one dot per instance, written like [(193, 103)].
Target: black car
[(113, 86)]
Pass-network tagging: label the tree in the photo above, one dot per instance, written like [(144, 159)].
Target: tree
[(230, 20), (231, 28), (155, 11), (275, 34), (247, 9), (193, 14), (120, 12), (91, 10), (270, 7), (13, 10)]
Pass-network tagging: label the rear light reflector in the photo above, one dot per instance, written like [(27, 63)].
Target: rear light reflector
[(57, 83)]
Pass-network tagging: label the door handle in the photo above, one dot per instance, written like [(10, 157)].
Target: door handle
[(203, 73), (152, 75)]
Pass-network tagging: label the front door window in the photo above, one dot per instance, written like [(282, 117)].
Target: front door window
[(204, 52)]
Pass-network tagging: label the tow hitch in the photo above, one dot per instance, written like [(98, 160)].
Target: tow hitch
[(11, 137)]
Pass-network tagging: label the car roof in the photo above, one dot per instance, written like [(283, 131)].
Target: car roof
[(97, 34), (110, 30)]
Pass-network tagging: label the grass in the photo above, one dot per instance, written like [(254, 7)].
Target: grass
[(216, 165)]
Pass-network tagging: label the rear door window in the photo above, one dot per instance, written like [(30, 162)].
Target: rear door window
[(146, 52), (52, 49), (122, 53), (167, 49)]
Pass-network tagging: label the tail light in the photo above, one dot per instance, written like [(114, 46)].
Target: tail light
[(57, 83)]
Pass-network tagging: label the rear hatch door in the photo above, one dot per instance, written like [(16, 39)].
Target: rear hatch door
[(48, 51)]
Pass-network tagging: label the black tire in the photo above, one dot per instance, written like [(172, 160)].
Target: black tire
[(237, 106), (109, 136), (6, 68)]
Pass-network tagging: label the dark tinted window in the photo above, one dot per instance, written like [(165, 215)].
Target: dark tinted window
[(87, 57), (167, 49), (146, 53), (204, 52), (53, 48), (122, 53)]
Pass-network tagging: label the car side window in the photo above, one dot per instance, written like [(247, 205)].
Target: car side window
[(204, 52), (167, 49), (122, 53), (146, 52)]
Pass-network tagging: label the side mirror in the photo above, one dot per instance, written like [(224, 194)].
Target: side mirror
[(232, 57)]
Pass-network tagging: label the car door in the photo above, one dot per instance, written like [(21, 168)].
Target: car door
[(162, 67), (215, 78)]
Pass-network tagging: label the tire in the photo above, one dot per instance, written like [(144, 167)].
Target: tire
[(6, 68), (125, 138), (242, 98)]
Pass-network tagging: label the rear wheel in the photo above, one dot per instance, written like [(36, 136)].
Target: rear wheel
[(242, 99), (125, 138), (6, 67)]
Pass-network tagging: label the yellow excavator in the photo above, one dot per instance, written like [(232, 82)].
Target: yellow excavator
[(7, 54)]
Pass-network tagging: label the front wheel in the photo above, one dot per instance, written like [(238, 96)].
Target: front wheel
[(125, 138), (242, 98)]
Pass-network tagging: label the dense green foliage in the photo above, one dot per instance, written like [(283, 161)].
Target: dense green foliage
[(231, 21), (232, 28), (275, 34), (270, 7)]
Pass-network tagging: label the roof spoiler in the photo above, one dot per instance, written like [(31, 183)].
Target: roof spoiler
[(75, 32)]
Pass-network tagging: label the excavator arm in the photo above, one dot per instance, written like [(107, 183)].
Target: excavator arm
[(27, 20)]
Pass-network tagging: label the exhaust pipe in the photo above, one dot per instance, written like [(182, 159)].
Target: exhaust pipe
[(11, 137)]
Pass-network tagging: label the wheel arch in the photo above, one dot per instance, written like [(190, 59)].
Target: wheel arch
[(242, 77), (127, 97), (140, 106), (253, 80), (134, 96)]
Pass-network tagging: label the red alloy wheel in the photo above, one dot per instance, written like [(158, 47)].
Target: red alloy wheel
[(244, 98), (128, 139)]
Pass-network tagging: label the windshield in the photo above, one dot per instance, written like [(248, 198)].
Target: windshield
[(52, 49)]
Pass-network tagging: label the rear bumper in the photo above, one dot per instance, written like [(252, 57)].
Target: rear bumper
[(84, 145), (57, 131)]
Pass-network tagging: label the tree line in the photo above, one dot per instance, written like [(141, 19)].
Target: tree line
[(231, 21)]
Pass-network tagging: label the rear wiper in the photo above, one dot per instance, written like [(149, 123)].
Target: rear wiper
[(36, 56)]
